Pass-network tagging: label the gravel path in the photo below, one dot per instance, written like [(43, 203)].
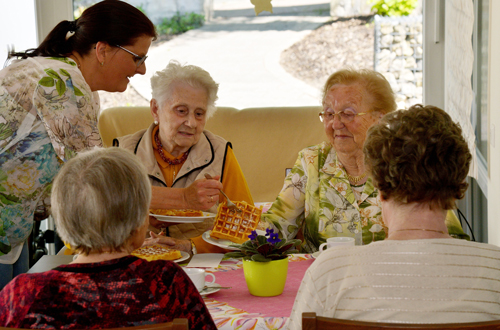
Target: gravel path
[(339, 43)]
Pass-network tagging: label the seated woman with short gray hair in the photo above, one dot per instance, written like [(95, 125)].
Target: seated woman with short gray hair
[(100, 203)]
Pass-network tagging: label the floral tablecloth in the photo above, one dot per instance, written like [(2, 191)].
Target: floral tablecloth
[(251, 312)]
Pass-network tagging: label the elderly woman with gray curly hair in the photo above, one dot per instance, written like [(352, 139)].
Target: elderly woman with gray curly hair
[(177, 151)]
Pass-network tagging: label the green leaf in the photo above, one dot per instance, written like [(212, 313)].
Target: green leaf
[(260, 258), (53, 74), (234, 255), (9, 199), (65, 73), (61, 87), (261, 239), (5, 131), (3, 175), (47, 82), (77, 91)]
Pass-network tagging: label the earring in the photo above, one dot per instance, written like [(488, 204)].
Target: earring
[(102, 63), (156, 122)]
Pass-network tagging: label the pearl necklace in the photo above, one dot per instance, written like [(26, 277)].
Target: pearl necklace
[(166, 159)]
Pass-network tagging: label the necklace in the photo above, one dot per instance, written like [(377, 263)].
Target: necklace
[(436, 231), (355, 179), (166, 159)]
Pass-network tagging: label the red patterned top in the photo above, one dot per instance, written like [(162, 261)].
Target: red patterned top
[(115, 293)]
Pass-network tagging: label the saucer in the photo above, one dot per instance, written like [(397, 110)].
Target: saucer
[(211, 288)]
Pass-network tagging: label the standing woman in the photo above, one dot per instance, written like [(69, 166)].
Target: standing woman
[(49, 107)]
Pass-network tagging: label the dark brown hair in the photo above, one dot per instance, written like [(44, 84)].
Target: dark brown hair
[(374, 84), (418, 155), (112, 21)]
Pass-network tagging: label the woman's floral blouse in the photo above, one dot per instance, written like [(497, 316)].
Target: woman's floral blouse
[(47, 114), (318, 202)]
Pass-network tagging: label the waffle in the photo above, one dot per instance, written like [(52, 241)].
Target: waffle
[(177, 213), (235, 226), (156, 252)]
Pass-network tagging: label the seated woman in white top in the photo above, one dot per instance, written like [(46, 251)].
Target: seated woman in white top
[(419, 161)]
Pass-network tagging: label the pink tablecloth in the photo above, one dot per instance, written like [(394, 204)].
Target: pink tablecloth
[(239, 297)]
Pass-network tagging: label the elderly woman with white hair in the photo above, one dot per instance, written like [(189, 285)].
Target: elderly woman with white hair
[(100, 203), (177, 151)]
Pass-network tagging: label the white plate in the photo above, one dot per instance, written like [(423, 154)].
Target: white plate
[(316, 254), (170, 218), (211, 288), (184, 256), (223, 243)]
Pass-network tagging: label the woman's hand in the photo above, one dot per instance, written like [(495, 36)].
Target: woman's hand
[(203, 194), (173, 243)]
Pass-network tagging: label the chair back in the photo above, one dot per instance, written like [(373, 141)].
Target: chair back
[(312, 322), (266, 141), (176, 324)]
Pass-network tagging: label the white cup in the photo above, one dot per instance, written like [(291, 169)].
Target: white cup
[(197, 276), (336, 241)]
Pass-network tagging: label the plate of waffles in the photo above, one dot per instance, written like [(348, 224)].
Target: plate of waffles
[(223, 243), (184, 256), (181, 216), (160, 252)]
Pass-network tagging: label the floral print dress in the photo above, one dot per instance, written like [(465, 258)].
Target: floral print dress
[(317, 201), (47, 114)]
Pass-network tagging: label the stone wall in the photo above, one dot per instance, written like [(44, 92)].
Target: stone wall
[(398, 56)]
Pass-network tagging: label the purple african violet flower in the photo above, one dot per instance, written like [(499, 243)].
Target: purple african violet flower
[(273, 238), (253, 235)]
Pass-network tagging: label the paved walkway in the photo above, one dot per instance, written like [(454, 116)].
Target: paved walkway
[(242, 52)]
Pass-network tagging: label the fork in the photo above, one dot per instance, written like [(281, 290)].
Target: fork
[(230, 205)]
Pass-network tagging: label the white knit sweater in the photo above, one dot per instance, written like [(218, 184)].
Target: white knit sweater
[(412, 281)]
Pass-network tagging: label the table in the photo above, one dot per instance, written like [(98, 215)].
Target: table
[(48, 262), (235, 308)]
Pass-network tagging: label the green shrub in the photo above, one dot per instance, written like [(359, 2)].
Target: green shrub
[(394, 7), (180, 23)]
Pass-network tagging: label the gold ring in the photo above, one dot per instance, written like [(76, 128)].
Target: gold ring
[(211, 198)]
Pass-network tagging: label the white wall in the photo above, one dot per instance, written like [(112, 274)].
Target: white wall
[(494, 120), (52, 12), (18, 26), (25, 23)]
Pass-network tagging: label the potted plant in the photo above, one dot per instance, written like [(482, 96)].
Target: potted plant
[(265, 262)]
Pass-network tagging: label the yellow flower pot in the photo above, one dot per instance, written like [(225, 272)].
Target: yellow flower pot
[(265, 279)]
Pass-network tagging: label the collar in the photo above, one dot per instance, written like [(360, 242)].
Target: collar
[(202, 154)]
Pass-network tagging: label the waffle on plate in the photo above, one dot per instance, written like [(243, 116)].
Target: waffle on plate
[(156, 252), (235, 226), (177, 213)]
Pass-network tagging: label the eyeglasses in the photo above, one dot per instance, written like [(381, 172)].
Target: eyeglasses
[(138, 59), (345, 116)]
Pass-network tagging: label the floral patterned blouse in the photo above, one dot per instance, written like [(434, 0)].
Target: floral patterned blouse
[(318, 202), (47, 114)]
